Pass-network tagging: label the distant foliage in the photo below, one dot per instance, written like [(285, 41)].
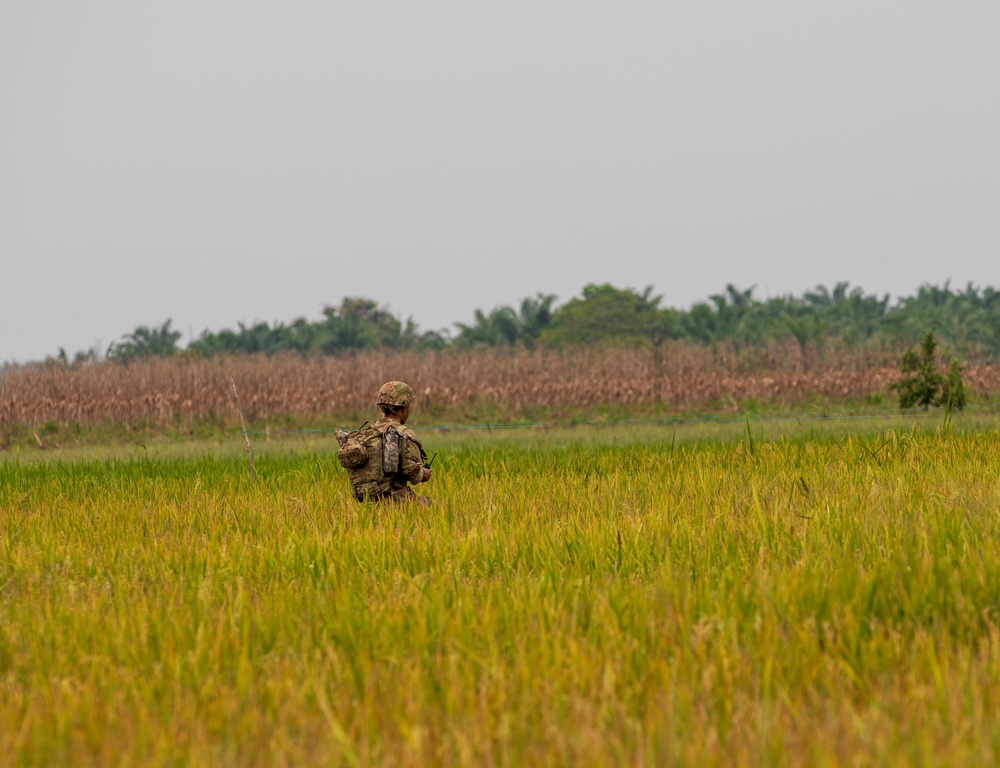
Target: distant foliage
[(923, 385), (505, 326), (955, 394), (605, 313), (356, 324), (968, 321), (143, 342)]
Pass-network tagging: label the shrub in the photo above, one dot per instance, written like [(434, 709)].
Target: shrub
[(954, 393), (923, 385)]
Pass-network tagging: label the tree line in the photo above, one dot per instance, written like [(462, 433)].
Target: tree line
[(968, 321)]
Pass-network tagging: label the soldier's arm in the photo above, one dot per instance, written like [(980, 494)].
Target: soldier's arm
[(412, 459)]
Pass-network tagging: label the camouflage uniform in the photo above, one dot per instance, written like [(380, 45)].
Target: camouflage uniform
[(382, 458), (412, 459)]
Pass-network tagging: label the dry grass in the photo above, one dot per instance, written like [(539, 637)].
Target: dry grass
[(456, 384)]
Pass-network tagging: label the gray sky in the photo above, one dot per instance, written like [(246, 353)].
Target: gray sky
[(216, 162)]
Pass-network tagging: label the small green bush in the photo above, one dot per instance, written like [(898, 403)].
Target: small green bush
[(923, 385), (954, 393)]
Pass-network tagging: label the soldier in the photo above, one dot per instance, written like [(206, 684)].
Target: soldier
[(382, 458)]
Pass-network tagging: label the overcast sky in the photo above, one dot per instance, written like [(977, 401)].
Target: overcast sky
[(216, 162)]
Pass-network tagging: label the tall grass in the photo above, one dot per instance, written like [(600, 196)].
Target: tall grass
[(185, 392), (796, 602)]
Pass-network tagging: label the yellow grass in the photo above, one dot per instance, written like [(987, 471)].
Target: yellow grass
[(614, 600)]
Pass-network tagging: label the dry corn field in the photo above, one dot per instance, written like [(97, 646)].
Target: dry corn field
[(452, 384)]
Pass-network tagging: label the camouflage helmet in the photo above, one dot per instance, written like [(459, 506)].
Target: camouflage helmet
[(395, 393)]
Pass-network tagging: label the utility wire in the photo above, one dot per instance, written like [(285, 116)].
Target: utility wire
[(678, 420)]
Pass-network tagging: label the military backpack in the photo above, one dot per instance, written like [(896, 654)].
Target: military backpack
[(371, 457)]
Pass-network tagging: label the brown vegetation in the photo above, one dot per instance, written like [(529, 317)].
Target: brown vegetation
[(453, 384)]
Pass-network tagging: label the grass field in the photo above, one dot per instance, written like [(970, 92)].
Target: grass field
[(734, 594)]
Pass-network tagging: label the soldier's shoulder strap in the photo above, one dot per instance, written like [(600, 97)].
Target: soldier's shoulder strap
[(411, 436)]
